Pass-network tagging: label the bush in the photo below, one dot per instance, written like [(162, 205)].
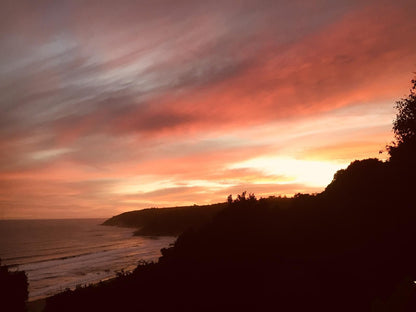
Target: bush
[(13, 290)]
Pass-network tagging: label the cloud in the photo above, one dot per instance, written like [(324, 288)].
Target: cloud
[(144, 93)]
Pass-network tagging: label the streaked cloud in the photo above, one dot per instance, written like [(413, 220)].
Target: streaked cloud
[(107, 107)]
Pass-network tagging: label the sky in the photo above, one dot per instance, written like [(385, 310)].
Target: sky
[(110, 106)]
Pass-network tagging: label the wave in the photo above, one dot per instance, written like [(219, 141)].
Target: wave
[(86, 268), (55, 254), (78, 252)]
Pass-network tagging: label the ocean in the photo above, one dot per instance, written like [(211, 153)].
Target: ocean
[(60, 254)]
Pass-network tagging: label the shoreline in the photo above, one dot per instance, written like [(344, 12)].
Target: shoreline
[(38, 305)]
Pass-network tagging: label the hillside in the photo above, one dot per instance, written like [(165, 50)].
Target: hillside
[(166, 221), (349, 248)]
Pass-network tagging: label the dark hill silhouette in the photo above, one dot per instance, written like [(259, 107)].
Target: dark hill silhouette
[(349, 248), (166, 221)]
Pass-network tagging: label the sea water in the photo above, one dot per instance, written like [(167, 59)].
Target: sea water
[(60, 254)]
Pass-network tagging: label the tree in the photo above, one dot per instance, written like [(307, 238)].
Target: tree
[(230, 199), (404, 127)]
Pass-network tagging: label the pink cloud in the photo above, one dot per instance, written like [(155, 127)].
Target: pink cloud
[(96, 96)]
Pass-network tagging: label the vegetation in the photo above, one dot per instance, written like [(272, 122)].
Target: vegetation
[(349, 248), (404, 127), (13, 290)]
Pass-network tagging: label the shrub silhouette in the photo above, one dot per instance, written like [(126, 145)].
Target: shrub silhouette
[(13, 290)]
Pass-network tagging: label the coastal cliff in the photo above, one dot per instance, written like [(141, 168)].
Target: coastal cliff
[(166, 221)]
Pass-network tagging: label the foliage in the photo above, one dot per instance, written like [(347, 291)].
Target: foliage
[(13, 290), (404, 125)]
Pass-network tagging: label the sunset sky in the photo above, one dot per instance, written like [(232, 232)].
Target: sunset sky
[(109, 106)]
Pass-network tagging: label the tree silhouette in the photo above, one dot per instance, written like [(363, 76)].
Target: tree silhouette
[(404, 126)]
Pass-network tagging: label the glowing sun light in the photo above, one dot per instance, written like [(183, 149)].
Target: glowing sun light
[(291, 170)]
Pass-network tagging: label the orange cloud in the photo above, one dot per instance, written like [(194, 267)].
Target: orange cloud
[(112, 109)]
